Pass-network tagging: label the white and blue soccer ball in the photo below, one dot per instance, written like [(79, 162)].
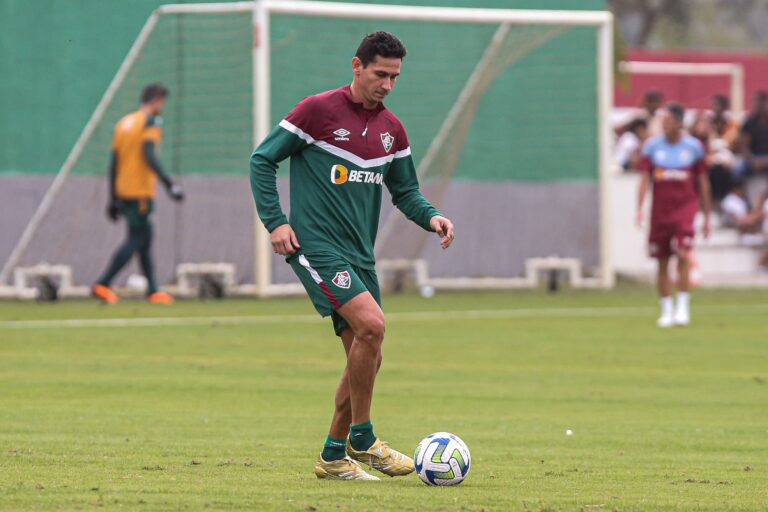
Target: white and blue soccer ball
[(442, 459)]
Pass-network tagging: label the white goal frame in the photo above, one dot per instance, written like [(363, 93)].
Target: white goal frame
[(733, 70), (261, 11)]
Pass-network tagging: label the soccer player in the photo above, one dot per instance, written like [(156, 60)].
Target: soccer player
[(344, 145), (133, 174), (675, 163)]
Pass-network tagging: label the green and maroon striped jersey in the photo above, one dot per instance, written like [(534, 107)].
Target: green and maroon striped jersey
[(341, 156)]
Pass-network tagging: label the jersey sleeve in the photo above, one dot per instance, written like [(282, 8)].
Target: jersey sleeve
[(646, 163), (403, 185), (284, 140), (153, 130), (114, 138)]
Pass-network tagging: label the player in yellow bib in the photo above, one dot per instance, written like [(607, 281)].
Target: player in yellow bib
[(134, 171)]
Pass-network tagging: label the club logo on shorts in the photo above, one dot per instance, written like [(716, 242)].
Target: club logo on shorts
[(342, 280), (387, 140)]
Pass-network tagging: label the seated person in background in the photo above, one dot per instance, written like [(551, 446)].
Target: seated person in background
[(724, 126), (763, 207), (650, 110), (626, 153), (738, 212), (753, 141), (720, 159)]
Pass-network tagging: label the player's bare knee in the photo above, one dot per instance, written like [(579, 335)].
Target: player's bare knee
[(372, 333)]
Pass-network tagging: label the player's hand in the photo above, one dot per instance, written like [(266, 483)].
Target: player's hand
[(639, 219), (706, 229), (284, 241), (175, 192), (444, 228), (114, 210)]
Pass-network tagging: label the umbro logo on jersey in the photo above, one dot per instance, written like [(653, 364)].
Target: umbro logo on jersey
[(341, 134), (387, 140), (342, 280)]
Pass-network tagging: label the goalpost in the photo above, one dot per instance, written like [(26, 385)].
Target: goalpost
[(733, 70), (507, 112)]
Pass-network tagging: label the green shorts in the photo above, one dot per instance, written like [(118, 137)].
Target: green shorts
[(331, 281)]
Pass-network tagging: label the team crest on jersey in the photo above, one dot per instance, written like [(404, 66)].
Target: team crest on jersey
[(342, 280), (387, 140)]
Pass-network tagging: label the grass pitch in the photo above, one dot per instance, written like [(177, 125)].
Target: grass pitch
[(225, 405)]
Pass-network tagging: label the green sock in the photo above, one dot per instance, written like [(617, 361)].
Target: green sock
[(334, 449), (361, 436)]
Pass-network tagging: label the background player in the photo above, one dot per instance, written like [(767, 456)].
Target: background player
[(675, 163), (344, 145), (133, 174)]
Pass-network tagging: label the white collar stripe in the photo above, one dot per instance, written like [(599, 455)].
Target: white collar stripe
[(297, 131), (403, 152)]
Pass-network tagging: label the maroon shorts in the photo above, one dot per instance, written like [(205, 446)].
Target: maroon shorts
[(665, 240)]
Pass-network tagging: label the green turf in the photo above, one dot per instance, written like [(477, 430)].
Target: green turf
[(220, 415)]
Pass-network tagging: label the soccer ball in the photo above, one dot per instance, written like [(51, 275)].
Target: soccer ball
[(442, 459)]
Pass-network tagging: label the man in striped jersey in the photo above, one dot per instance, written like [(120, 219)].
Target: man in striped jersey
[(344, 145)]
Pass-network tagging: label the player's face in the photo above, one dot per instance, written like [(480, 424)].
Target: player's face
[(717, 107), (375, 81), (156, 106), (670, 124)]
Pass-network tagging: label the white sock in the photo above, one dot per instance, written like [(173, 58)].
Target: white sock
[(683, 298), (666, 306)]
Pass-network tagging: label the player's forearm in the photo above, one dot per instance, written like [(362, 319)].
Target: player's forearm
[(112, 175), (263, 176), (151, 157), (416, 207), (403, 185), (276, 147), (705, 195), (642, 191)]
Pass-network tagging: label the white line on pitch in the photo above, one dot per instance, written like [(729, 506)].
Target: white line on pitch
[(391, 317)]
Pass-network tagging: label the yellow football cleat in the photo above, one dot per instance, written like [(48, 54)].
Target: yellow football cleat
[(342, 469), (383, 458)]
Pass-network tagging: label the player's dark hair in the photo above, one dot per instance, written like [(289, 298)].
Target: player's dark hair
[(380, 44), (676, 110), (153, 91), (722, 101), (637, 123), (653, 95), (761, 97)]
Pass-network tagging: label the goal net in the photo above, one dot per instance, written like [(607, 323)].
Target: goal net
[(506, 112)]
